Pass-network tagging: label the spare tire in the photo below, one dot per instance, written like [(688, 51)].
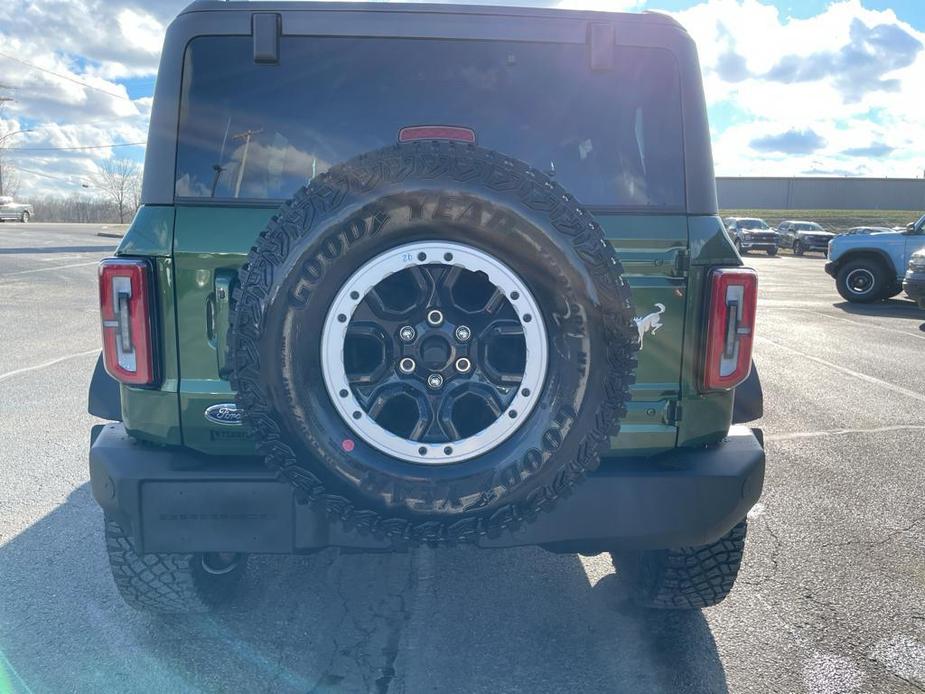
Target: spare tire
[(432, 341)]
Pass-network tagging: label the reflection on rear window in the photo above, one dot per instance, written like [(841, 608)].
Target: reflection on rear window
[(254, 131)]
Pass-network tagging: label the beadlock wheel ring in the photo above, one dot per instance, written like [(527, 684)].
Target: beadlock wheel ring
[(352, 294)]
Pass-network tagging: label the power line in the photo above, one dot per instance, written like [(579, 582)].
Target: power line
[(65, 77), (55, 149), (41, 173)]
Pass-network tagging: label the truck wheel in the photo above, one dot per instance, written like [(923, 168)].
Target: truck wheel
[(687, 578), (797, 248), (171, 583), (432, 343), (862, 281), (892, 290), (772, 251), (25, 218), (738, 245)]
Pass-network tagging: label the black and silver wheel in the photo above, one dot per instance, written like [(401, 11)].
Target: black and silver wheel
[(798, 247), (862, 281), (25, 217), (434, 352), (771, 251), (171, 582), (432, 342)]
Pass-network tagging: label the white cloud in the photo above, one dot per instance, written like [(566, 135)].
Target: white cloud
[(65, 66), (826, 74)]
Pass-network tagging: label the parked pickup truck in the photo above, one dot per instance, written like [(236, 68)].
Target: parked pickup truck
[(751, 234), (870, 267), (803, 237), (11, 211)]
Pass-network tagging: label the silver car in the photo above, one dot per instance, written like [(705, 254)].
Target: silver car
[(11, 211)]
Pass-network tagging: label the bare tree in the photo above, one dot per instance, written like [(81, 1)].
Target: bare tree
[(118, 180), (9, 177), (75, 207)]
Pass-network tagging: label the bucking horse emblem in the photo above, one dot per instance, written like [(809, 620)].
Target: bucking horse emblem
[(649, 323)]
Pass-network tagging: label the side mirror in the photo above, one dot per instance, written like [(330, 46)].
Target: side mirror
[(910, 227)]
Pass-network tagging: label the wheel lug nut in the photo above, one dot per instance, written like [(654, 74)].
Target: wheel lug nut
[(463, 365), (434, 317), (406, 365), (407, 333), (435, 381), (463, 333)]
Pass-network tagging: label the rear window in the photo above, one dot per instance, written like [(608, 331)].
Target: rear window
[(252, 131)]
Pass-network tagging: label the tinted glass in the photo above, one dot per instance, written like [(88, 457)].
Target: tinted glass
[(752, 224), (256, 131)]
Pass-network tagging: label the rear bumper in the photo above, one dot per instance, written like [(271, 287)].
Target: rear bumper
[(174, 500)]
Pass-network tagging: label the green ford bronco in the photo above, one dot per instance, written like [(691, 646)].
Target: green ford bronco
[(425, 275)]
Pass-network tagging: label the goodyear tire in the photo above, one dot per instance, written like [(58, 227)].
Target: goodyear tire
[(368, 259), (171, 583), (687, 578)]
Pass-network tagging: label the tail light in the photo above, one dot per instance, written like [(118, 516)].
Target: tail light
[(125, 295), (436, 132), (730, 327)]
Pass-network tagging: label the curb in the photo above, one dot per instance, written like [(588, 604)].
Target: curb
[(109, 234)]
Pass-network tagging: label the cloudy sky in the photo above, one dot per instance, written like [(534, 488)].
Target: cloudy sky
[(794, 87)]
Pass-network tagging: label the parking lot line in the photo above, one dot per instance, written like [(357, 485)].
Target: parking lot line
[(853, 322), (47, 269), (52, 362), (845, 370), (842, 432)]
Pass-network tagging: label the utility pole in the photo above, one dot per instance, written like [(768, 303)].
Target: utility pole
[(246, 136), (3, 100)]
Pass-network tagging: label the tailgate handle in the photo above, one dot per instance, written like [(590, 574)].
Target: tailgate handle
[(221, 321)]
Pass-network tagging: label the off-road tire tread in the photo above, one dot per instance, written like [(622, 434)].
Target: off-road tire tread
[(881, 273), (689, 577), (327, 192), (163, 582)]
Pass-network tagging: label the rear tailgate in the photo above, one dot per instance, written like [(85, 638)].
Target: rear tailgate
[(211, 243)]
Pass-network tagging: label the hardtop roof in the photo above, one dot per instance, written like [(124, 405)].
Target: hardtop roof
[(538, 10)]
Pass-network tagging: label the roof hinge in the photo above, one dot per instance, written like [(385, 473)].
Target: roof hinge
[(601, 44), (265, 27)]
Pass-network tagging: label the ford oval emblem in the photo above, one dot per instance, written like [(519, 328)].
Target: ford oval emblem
[(226, 413)]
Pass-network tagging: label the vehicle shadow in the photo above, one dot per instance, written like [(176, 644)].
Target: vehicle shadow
[(890, 308), (518, 620)]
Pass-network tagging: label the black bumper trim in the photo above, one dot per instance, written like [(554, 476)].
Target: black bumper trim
[(174, 500)]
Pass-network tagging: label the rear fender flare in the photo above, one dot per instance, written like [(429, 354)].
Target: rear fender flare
[(104, 399)]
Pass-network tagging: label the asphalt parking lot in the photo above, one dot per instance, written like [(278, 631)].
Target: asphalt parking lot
[(831, 597)]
